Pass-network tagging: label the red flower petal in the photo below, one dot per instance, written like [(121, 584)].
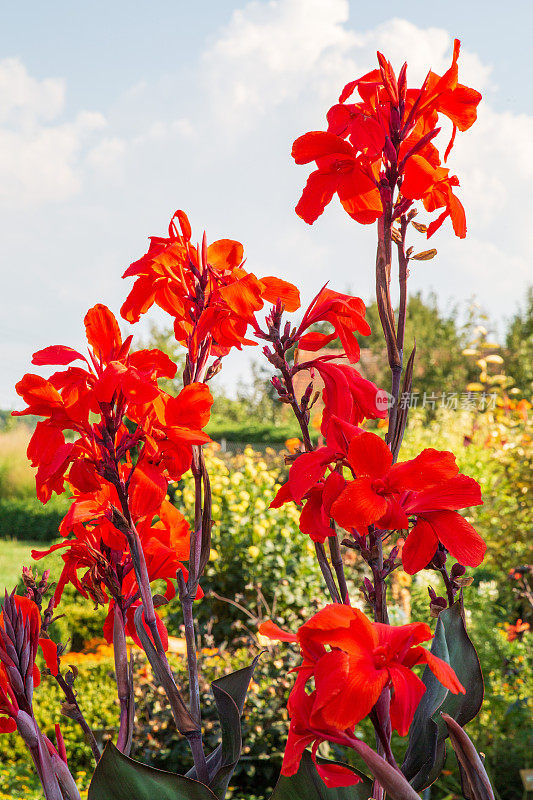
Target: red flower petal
[(307, 470), (225, 254), (103, 333), (418, 178), (56, 354), (317, 193), (420, 547), (408, 691), (318, 144), (359, 505), (458, 492), (274, 632), (442, 671), (49, 649), (429, 468), (369, 455), (458, 536), (276, 289), (147, 490)]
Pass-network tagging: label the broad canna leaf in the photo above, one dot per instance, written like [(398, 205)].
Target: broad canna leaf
[(426, 752), (230, 694), (118, 777), (308, 785)]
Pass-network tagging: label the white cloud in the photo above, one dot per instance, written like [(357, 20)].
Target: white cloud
[(25, 100), (41, 158)]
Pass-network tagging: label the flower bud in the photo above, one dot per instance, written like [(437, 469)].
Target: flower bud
[(439, 559), (457, 570)]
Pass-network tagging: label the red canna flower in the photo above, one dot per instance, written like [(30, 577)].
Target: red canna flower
[(348, 399), (428, 487), (205, 289), (386, 137), (345, 313), (114, 384), (351, 661), (340, 171)]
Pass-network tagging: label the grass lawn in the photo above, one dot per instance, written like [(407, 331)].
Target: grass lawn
[(14, 555)]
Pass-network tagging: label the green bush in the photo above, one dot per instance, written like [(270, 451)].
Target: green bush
[(253, 432), (259, 557), (27, 519)]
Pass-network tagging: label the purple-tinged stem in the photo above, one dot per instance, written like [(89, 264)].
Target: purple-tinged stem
[(75, 713), (124, 684)]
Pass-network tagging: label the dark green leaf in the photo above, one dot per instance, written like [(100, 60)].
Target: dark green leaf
[(230, 694), (426, 752), (118, 777), (308, 785)]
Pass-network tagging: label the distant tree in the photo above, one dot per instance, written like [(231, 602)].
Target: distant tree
[(440, 365), (519, 346)]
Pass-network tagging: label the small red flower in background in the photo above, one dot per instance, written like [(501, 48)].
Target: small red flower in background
[(383, 143), (517, 630), (428, 487), (351, 661), (205, 289)]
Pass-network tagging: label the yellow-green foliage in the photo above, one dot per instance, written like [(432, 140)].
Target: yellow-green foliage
[(16, 475)]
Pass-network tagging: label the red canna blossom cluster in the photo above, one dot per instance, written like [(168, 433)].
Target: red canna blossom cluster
[(383, 142), (211, 297), (351, 480), (351, 661), (116, 385), (379, 156), (426, 490)]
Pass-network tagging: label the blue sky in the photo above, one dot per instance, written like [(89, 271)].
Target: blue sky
[(114, 115)]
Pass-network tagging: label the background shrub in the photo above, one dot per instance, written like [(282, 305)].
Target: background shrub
[(27, 519)]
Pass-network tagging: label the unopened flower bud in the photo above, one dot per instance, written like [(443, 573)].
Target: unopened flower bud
[(439, 559), (214, 369), (457, 570), (390, 151)]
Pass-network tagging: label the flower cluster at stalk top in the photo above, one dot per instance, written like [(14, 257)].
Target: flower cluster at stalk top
[(205, 288), (383, 141)]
